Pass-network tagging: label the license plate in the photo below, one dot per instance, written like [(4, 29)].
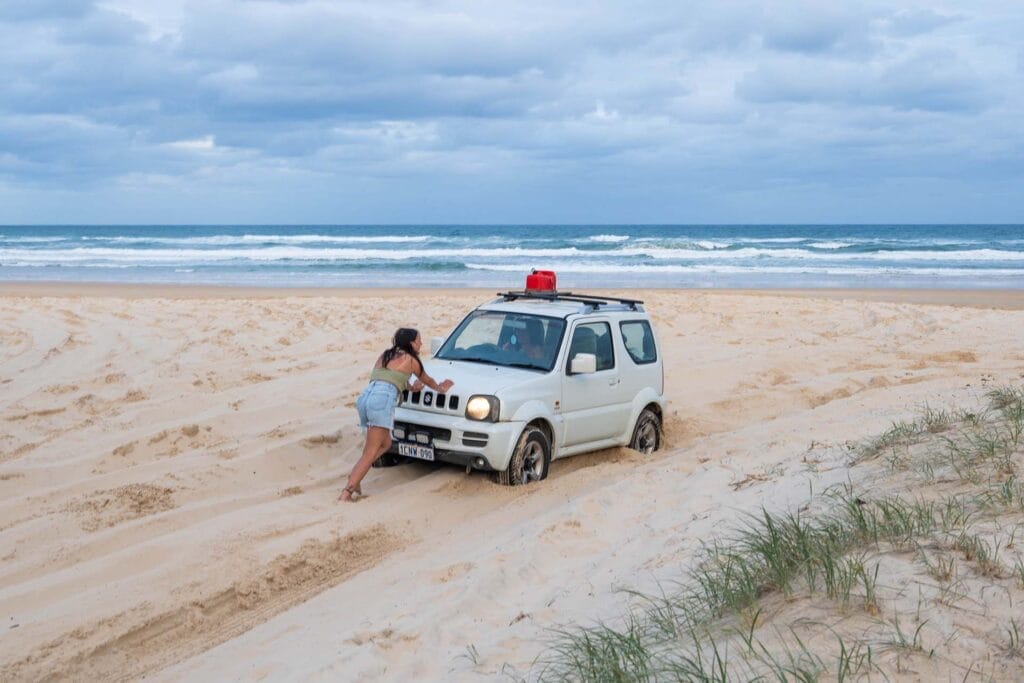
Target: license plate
[(414, 451)]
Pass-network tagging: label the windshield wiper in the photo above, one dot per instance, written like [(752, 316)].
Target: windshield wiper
[(529, 366)]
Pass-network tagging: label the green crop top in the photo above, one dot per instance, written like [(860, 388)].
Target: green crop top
[(400, 380)]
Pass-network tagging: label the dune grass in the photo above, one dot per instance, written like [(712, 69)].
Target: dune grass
[(712, 625)]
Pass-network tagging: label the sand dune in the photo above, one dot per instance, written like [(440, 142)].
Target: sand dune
[(170, 459)]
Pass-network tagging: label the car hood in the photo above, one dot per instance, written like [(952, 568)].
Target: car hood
[(477, 378)]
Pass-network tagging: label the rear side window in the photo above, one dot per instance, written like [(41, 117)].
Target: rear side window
[(638, 339)]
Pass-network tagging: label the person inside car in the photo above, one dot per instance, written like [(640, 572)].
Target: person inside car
[(528, 341)]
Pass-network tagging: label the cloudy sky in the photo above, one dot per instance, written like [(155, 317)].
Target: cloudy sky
[(292, 111)]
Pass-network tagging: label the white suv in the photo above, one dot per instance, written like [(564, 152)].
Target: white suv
[(537, 376)]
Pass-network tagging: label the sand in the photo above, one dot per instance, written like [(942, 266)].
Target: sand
[(170, 459)]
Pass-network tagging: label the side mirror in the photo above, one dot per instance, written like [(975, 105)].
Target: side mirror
[(583, 364), (435, 345)]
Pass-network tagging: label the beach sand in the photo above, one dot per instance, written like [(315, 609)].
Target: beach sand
[(170, 459)]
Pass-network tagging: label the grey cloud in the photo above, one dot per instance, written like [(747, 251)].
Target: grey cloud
[(102, 83), (910, 22), (276, 94), (96, 65), (793, 81), (102, 27), (800, 27), (36, 10), (44, 146), (934, 80), (810, 28), (371, 41)]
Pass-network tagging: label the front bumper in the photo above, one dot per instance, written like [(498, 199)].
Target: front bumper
[(480, 445)]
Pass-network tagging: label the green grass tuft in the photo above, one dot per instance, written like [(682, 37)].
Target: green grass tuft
[(710, 628)]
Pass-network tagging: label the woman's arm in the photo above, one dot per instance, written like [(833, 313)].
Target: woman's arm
[(424, 378)]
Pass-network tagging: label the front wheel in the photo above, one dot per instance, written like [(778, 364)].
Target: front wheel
[(647, 433), (530, 460), (390, 460)]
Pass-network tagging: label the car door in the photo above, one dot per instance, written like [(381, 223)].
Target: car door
[(592, 403)]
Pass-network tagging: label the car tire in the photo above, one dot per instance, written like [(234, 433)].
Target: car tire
[(530, 459), (647, 433), (390, 460)]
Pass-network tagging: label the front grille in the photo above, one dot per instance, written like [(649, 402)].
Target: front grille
[(436, 433), (429, 399)]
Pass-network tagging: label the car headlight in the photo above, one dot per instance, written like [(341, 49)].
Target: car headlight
[(482, 408)]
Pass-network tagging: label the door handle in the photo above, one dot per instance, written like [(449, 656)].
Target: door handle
[(613, 381)]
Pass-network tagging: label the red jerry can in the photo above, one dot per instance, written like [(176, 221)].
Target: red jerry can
[(541, 281)]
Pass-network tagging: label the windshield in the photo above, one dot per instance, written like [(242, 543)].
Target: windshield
[(516, 340)]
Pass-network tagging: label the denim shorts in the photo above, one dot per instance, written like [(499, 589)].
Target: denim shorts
[(376, 405)]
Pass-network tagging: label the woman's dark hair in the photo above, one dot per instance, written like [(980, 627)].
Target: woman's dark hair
[(402, 341)]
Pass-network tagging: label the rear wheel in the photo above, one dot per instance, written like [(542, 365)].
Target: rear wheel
[(530, 460), (647, 433)]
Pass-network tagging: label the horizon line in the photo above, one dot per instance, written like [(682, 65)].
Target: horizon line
[(486, 225)]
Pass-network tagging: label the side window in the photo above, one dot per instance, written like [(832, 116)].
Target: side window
[(638, 339), (595, 338)]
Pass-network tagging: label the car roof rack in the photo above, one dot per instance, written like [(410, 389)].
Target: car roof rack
[(595, 301)]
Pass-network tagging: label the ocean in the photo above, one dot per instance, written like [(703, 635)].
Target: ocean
[(584, 257)]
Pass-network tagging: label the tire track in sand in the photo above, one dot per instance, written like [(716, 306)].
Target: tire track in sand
[(138, 642)]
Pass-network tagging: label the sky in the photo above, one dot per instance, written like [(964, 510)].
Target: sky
[(324, 112)]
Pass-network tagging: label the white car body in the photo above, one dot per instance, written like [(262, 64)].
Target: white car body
[(577, 412)]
